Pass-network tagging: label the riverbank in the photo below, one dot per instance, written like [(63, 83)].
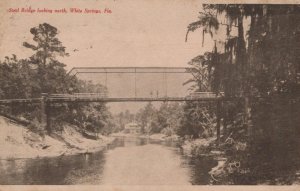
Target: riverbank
[(127, 161), (228, 170), (203, 148), (196, 146), (16, 141)]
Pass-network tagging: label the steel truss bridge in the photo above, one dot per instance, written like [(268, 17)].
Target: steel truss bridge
[(165, 72), (137, 80), (46, 100)]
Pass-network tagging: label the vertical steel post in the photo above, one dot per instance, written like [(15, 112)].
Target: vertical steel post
[(135, 82), (105, 79), (166, 78)]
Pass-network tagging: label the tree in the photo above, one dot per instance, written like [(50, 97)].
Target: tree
[(48, 46), (169, 117), (44, 73), (254, 69), (198, 120), (146, 117), (51, 74)]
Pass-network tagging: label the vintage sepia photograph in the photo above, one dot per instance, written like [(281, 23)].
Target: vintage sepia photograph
[(149, 92)]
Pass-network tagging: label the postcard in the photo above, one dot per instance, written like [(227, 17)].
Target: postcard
[(149, 95)]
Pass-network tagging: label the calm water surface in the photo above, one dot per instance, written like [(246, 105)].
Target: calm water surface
[(127, 161)]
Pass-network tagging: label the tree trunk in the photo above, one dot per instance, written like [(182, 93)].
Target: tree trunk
[(218, 121), (246, 118), (224, 121)]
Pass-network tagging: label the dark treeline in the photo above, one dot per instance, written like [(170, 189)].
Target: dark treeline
[(164, 119), (190, 120), (44, 73), (152, 120), (260, 64), (122, 119)]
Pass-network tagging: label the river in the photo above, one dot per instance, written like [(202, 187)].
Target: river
[(127, 161)]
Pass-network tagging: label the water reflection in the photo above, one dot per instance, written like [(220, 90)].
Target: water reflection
[(142, 158), (57, 170)]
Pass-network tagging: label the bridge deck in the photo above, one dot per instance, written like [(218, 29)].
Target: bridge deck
[(56, 99), (128, 70), (138, 99), (10, 101)]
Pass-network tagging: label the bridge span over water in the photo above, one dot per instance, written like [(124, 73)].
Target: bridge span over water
[(127, 84)]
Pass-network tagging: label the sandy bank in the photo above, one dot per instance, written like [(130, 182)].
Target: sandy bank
[(16, 141)]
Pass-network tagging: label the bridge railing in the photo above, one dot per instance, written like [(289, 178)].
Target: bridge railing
[(103, 97), (78, 95)]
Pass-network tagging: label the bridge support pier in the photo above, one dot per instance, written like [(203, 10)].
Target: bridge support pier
[(45, 111), (48, 118)]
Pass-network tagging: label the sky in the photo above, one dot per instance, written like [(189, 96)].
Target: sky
[(136, 33)]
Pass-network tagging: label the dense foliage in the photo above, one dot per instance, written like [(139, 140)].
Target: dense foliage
[(44, 73), (260, 66), (165, 119), (122, 119)]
